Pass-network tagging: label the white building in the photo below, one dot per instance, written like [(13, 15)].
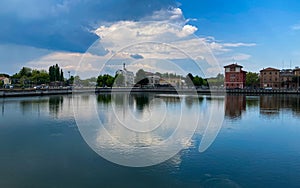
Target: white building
[(128, 76), (153, 79), (6, 81)]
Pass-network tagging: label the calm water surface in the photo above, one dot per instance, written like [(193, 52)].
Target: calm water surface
[(258, 144)]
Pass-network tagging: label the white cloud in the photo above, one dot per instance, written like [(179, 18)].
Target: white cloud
[(295, 27), (166, 38), (239, 44)]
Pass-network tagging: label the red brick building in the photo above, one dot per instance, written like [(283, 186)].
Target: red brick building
[(235, 77)]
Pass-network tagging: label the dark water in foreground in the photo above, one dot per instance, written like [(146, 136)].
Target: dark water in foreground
[(258, 144)]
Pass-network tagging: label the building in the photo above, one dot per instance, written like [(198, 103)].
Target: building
[(153, 79), (175, 82), (296, 71), (286, 79), (270, 78), (5, 80), (235, 77), (128, 76)]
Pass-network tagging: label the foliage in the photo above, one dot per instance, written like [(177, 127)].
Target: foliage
[(39, 77), (104, 80), (252, 79), (55, 73), (198, 81), (140, 75), (216, 81), (189, 80)]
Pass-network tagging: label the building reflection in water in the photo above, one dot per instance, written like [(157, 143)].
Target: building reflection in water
[(234, 106), (269, 105), (272, 105)]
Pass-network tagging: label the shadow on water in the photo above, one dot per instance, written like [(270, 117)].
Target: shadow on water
[(56, 105), (104, 98), (29, 105), (141, 101), (190, 101)]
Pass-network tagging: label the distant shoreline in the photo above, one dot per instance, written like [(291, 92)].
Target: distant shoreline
[(55, 91)]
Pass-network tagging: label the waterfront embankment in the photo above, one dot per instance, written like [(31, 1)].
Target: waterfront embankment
[(60, 91)]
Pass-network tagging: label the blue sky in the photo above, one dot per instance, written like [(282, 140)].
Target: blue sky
[(256, 34)]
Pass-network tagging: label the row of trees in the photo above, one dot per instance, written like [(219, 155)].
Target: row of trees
[(27, 77), (141, 79)]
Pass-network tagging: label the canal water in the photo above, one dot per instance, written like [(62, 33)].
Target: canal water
[(221, 141)]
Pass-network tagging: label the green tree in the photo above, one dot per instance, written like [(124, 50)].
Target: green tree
[(189, 80), (252, 79), (71, 80), (61, 76), (105, 80), (140, 75), (216, 81), (40, 77), (57, 73), (198, 81), (25, 71), (51, 73)]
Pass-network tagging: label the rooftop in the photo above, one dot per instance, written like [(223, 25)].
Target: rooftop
[(269, 69), (233, 65)]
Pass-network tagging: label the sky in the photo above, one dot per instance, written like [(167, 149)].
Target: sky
[(89, 37)]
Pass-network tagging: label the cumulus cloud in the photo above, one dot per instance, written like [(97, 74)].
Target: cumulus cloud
[(163, 36)]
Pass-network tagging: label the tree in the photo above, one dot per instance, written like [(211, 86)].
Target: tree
[(216, 81), (71, 80), (40, 77), (119, 80), (189, 80), (140, 75), (252, 79), (198, 81), (105, 80), (51, 73), (25, 71), (62, 75), (57, 73)]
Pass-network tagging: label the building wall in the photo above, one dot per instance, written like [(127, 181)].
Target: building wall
[(235, 77), (270, 78)]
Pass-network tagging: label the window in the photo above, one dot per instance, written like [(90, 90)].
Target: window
[(270, 73)]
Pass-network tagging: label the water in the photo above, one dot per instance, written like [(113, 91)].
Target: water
[(257, 144)]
